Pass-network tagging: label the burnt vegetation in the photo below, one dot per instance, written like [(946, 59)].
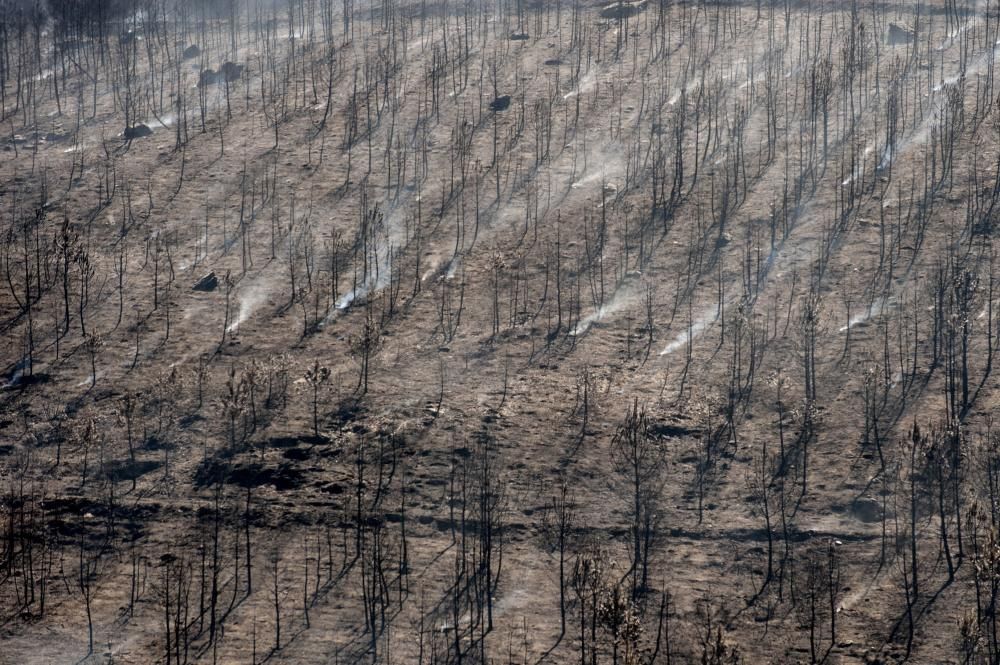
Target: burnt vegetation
[(499, 332)]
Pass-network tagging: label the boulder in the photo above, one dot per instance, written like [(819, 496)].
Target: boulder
[(228, 73), (519, 37), (867, 510), (192, 52), (899, 35), (137, 131), (500, 103), (620, 10), (207, 283), (231, 72), (207, 77)]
